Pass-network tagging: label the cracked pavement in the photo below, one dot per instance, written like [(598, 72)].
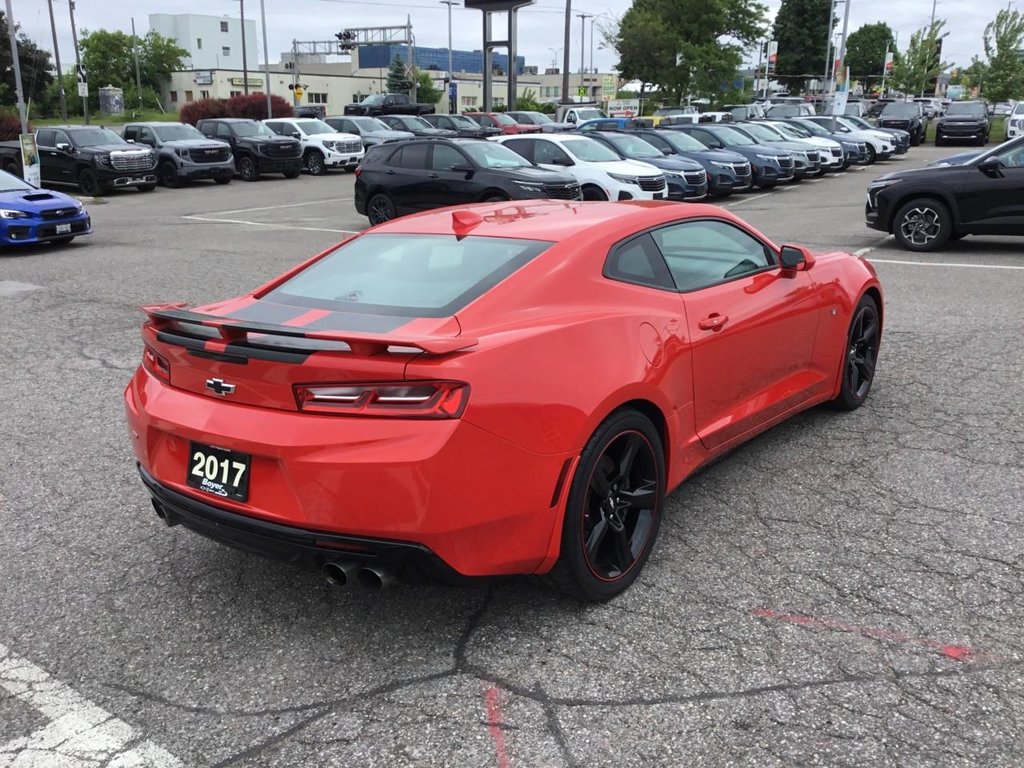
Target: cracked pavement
[(845, 590)]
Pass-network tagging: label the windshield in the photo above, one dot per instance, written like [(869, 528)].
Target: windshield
[(590, 114), (631, 146), (1018, 109), (539, 118), (589, 151), (812, 128), (968, 108), (792, 131), (732, 137), (683, 142), (313, 127), (761, 132), (493, 155), (177, 132), (897, 109), (858, 122), (11, 183), (369, 123), (251, 128), (407, 275), (465, 122), (784, 110), (502, 119), (413, 123), (94, 137), (372, 101)]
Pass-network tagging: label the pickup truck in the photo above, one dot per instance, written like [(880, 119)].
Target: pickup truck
[(257, 149), (388, 104), (185, 154), (578, 113), (90, 156)]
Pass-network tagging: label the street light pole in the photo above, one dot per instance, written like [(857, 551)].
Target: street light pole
[(451, 77), (826, 85), (15, 60), (583, 46), (245, 65), (266, 57), (78, 58), (565, 53), (56, 58)]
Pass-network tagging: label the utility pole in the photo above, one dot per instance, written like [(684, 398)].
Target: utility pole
[(16, 61), (412, 53), (78, 59), (56, 58), (266, 57), (826, 85), (583, 46), (592, 20), (135, 52), (245, 64), (757, 70), (565, 53), (842, 58), (451, 77)]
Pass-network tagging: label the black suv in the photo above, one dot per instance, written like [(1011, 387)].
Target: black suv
[(963, 120), (256, 148), (907, 116), (417, 175), (465, 127), (94, 158), (185, 154), (927, 207)]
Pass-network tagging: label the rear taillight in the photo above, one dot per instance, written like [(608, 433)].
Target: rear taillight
[(156, 365), (409, 400)]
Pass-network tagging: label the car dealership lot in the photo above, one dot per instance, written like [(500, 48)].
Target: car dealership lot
[(844, 590)]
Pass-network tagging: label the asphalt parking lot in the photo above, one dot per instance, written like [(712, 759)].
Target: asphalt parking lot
[(843, 591)]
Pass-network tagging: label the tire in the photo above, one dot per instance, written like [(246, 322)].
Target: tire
[(62, 240), (247, 169), (915, 140), (495, 198), (379, 209), (293, 173), (590, 192), (315, 163), (222, 179), (146, 187), (88, 184), (938, 141), (922, 225), (860, 356), (872, 155), (614, 509), (168, 175)]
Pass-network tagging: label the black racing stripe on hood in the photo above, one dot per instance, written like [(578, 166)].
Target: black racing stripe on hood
[(354, 321), (268, 312)]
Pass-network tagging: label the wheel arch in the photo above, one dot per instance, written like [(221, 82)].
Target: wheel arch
[(939, 195), (493, 192)]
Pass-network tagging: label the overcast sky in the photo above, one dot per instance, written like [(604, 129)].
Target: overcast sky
[(540, 27)]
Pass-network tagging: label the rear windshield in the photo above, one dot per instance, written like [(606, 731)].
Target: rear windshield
[(974, 109), (901, 110), (407, 275)]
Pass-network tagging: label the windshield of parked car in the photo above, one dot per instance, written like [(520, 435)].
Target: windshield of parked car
[(966, 109), (502, 119), (760, 132), (732, 137), (373, 101), (407, 275), (369, 123), (539, 118), (413, 123), (791, 131), (11, 183), (589, 114), (784, 110), (683, 142), (631, 146), (812, 128), (177, 132), (858, 122), (901, 109), (94, 137), (313, 127), (589, 151), (464, 122), (251, 128), (493, 155)]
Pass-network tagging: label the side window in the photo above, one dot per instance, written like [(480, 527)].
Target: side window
[(445, 157), (146, 136), (59, 137), (347, 126), (130, 133), (706, 138), (45, 138), (486, 121), (277, 128), (223, 131), (522, 147), (549, 152), (640, 262), (411, 156), (1012, 157), (656, 141), (707, 252)]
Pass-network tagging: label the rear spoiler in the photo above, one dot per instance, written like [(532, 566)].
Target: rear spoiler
[(237, 331)]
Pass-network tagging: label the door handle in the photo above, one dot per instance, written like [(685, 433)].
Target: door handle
[(713, 322)]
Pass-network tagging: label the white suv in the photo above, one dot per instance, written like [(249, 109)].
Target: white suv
[(602, 174), (322, 146), (1015, 121)]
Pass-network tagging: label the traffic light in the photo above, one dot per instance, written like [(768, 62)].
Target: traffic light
[(346, 40)]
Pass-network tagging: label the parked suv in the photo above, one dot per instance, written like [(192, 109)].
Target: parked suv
[(1015, 121), (465, 127), (419, 174), (907, 116), (257, 149), (925, 208), (770, 165), (322, 146), (184, 153), (369, 129), (727, 172), (687, 180), (94, 158), (963, 120), (503, 123)]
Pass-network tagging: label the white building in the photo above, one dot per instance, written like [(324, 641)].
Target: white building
[(212, 42)]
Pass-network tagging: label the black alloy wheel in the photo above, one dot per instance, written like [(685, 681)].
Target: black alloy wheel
[(613, 510), (169, 175), (923, 225), (315, 163), (88, 184), (380, 209), (247, 168), (860, 355), (495, 198)]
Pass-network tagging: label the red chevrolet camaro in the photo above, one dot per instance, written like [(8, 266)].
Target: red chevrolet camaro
[(502, 389)]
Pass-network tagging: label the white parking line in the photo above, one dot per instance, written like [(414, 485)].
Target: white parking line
[(284, 205), (746, 200), (79, 734), (209, 220), (947, 264)]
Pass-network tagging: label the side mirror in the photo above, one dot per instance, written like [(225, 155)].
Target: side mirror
[(295, 135), (63, 146), (562, 161), (991, 166), (666, 151), (463, 168), (796, 258)]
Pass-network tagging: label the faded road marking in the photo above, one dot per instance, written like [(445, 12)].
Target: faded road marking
[(283, 205), (79, 734), (492, 697), (947, 264), (210, 220)]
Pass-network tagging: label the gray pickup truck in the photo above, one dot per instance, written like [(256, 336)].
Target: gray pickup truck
[(184, 153)]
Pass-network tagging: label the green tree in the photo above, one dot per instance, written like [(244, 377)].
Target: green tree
[(527, 102), (109, 59), (913, 71), (1004, 40), (802, 29), (865, 50), (398, 77), (685, 47), (36, 74), (425, 90)]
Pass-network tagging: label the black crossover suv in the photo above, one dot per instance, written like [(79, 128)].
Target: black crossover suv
[(416, 175)]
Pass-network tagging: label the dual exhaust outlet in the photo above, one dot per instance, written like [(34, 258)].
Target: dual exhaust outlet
[(343, 572)]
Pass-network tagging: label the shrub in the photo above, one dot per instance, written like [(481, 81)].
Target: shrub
[(195, 111), (10, 128), (254, 107)]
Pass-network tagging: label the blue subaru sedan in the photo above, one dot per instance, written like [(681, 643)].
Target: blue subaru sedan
[(32, 215)]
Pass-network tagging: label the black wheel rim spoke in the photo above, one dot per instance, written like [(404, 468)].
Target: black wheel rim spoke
[(596, 538), (862, 352)]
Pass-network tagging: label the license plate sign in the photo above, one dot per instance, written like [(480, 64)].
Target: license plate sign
[(218, 471), (63, 229)]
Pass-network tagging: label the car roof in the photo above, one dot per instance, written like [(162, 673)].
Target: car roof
[(231, 119), (153, 123), (551, 220), (71, 127), (557, 138)]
